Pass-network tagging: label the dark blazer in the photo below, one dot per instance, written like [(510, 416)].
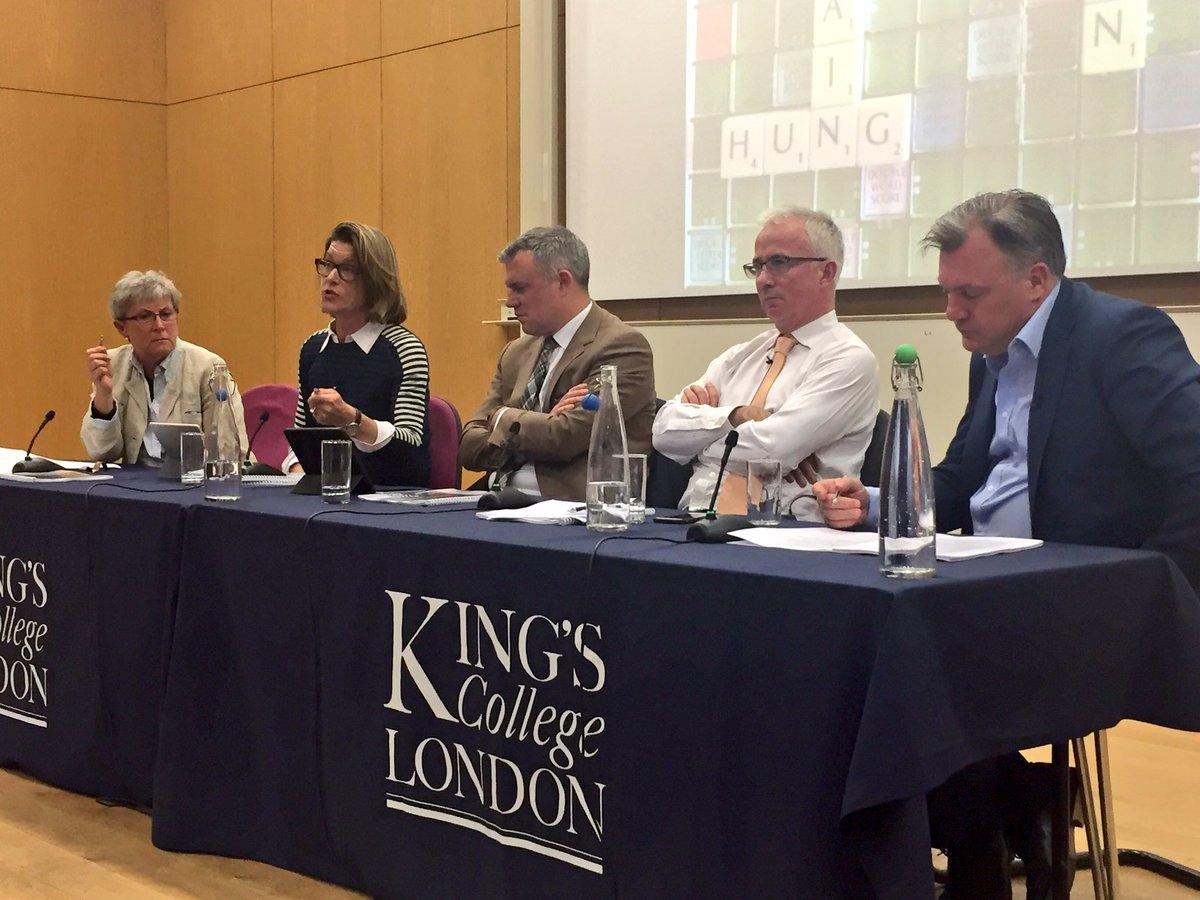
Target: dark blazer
[(558, 445), (1114, 432)]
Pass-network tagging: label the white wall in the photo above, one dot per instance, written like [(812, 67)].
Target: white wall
[(682, 351)]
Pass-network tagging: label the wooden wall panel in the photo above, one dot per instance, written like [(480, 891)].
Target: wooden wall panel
[(94, 48), (221, 245), (445, 166), (408, 24), (327, 169), (310, 35), (85, 201), (215, 46), (513, 127), (514, 12)]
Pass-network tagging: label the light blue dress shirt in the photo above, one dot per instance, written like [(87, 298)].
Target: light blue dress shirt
[(1001, 505)]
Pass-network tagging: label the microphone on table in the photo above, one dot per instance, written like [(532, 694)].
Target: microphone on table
[(258, 468), (262, 420), (33, 463), (714, 528), (506, 498), (731, 441), (508, 459)]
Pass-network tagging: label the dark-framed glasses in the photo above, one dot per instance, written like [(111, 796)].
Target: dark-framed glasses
[(347, 271), (778, 264), (146, 317)]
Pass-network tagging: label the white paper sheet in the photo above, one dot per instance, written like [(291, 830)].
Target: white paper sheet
[(950, 547)]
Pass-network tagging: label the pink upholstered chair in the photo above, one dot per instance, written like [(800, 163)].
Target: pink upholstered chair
[(279, 402), (445, 427)]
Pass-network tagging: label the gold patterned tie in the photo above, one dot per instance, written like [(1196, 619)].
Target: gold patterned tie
[(732, 499)]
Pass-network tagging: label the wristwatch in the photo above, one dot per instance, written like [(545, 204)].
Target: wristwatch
[(352, 428)]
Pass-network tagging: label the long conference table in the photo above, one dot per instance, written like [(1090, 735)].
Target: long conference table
[(410, 699)]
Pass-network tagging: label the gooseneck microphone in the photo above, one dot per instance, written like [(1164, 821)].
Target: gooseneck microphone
[(262, 420), (731, 440), (714, 529), (258, 468), (33, 463), (509, 456)]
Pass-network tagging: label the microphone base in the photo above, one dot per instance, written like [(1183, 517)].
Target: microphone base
[(716, 531), (258, 468), (506, 498), (36, 464)]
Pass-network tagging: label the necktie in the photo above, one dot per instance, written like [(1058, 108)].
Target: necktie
[(532, 398), (732, 498)]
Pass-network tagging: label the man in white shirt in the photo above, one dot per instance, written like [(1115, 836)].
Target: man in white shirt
[(802, 391)]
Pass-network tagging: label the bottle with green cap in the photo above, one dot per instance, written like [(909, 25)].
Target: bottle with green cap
[(906, 526)]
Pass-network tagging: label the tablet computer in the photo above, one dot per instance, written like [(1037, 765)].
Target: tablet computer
[(168, 436), (306, 444)]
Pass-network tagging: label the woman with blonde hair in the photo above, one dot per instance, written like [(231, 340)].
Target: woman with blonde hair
[(366, 373)]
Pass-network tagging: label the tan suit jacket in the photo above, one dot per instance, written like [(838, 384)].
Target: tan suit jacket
[(188, 399), (558, 445)]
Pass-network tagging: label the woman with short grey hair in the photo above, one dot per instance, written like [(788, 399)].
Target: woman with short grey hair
[(154, 377)]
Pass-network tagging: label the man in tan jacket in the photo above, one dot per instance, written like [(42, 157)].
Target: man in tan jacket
[(155, 377), (567, 338)]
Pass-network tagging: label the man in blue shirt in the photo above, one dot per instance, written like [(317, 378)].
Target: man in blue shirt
[(1082, 425)]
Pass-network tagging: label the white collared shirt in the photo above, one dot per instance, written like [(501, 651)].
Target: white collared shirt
[(365, 337), (824, 401), (525, 478)]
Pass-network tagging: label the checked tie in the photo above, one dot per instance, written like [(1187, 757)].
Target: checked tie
[(732, 498), (532, 398)]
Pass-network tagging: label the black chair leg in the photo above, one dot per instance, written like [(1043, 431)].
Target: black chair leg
[(1060, 835)]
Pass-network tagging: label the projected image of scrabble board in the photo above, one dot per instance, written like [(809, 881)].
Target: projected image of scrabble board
[(886, 113)]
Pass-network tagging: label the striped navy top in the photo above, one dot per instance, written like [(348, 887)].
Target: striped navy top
[(389, 383)]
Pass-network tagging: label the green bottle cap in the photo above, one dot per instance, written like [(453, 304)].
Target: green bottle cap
[(906, 354)]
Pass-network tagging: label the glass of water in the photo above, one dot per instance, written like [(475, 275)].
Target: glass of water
[(764, 480), (607, 505), (637, 486), (335, 471), (191, 457)]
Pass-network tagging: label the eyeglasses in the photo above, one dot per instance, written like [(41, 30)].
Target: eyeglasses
[(778, 264), (346, 271), (146, 318)]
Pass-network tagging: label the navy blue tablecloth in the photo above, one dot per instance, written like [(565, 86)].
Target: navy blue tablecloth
[(408, 702), (90, 571)]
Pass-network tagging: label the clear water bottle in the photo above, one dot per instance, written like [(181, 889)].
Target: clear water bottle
[(222, 448), (608, 462), (906, 526)]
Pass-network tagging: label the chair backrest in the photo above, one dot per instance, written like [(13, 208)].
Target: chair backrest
[(872, 467), (445, 428), (279, 401), (666, 480)]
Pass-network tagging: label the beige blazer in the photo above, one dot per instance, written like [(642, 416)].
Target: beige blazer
[(558, 445), (188, 399)]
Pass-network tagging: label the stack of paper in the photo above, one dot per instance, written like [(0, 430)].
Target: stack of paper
[(57, 475), (950, 547), (426, 497), (288, 479), (548, 512)]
